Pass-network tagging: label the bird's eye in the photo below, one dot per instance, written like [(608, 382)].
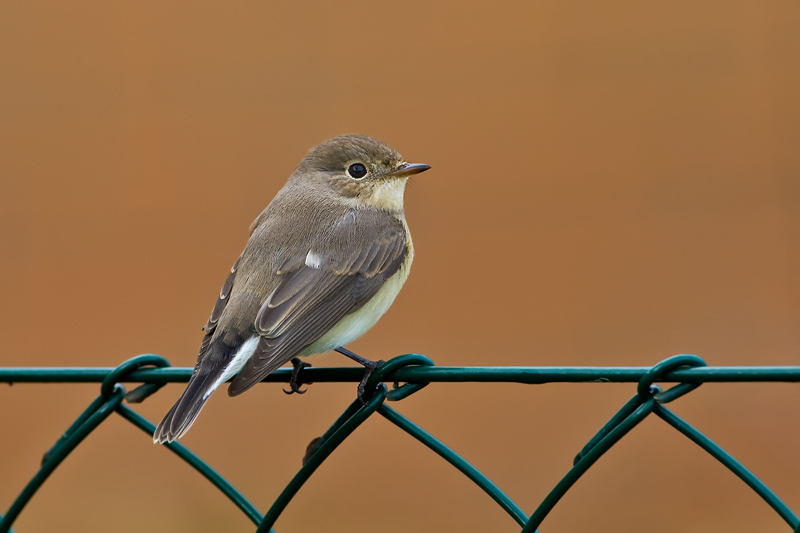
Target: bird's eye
[(357, 170)]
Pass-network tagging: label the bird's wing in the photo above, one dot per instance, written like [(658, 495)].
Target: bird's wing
[(338, 275), (222, 302)]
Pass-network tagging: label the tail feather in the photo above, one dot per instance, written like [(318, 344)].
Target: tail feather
[(183, 414), (220, 362)]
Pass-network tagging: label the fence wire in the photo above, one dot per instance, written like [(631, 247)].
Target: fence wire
[(414, 372)]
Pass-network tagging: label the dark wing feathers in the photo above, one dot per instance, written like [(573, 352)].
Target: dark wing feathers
[(309, 289), (219, 306), (310, 301)]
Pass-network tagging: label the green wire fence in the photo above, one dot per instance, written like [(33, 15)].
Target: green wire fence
[(414, 372)]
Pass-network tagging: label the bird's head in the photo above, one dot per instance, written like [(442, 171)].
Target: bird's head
[(361, 170)]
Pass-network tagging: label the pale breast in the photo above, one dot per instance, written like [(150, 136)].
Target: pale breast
[(355, 324)]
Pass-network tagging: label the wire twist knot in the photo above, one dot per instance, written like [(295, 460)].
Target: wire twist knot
[(386, 371)]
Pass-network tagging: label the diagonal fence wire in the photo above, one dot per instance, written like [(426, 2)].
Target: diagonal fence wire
[(414, 371)]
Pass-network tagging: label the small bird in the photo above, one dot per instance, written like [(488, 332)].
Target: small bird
[(324, 261)]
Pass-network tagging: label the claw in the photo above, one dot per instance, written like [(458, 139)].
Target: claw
[(294, 386), (368, 370)]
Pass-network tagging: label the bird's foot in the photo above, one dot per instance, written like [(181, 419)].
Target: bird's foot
[(294, 386), (369, 368)]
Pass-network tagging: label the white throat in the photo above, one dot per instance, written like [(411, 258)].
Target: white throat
[(388, 194)]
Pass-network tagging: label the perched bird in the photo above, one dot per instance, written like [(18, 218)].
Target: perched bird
[(324, 261)]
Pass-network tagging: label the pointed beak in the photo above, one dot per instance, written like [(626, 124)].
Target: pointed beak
[(408, 169)]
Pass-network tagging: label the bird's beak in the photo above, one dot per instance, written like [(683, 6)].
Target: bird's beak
[(408, 169)]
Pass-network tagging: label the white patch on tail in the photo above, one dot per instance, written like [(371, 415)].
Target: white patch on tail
[(236, 364)]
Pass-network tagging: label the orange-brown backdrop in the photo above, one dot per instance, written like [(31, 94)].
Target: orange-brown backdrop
[(612, 183)]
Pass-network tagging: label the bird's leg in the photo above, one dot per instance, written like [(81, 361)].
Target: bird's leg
[(297, 366), (369, 368)]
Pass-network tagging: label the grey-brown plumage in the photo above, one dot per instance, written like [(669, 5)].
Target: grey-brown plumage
[(324, 261)]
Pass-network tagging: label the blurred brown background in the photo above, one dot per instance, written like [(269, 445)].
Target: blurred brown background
[(613, 183)]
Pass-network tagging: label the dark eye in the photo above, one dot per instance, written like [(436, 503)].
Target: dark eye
[(357, 170)]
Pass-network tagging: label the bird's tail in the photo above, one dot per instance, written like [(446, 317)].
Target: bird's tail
[(219, 360), (183, 414)]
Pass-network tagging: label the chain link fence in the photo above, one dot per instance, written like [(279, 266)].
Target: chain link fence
[(406, 375)]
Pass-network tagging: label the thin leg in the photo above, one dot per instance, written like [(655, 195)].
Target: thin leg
[(294, 386), (369, 368)]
